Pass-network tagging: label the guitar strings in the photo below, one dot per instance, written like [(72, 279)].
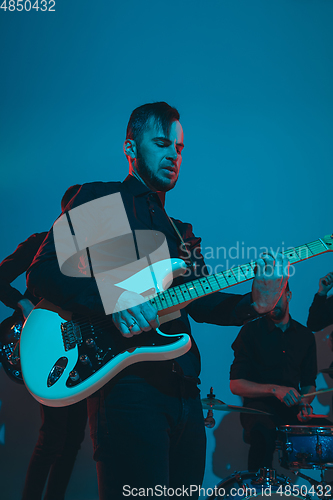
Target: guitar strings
[(316, 248)]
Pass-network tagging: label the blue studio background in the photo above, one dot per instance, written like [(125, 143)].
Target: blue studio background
[(253, 82)]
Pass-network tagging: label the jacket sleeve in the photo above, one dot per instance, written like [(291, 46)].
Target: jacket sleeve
[(76, 291), (242, 366), (217, 308), (320, 313), (16, 264)]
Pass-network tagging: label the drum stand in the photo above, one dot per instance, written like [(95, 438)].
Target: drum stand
[(315, 483)]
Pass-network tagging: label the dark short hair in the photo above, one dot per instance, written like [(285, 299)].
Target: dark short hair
[(69, 194), (160, 112), (287, 289)]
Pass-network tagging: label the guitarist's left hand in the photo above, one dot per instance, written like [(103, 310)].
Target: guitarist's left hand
[(269, 282)]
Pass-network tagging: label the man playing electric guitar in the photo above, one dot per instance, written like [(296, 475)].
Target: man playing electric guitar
[(146, 423)]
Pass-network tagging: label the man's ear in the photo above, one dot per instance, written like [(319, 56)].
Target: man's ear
[(289, 295), (130, 148)]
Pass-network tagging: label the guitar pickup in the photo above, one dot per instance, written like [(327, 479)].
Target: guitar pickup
[(71, 335)]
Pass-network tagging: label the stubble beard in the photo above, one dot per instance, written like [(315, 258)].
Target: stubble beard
[(150, 178), (279, 313)]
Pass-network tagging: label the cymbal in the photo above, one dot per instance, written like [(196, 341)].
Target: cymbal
[(217, 404), (327, 370), (211, 402)]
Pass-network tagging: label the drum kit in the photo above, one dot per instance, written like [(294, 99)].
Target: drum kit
[(299, 446)]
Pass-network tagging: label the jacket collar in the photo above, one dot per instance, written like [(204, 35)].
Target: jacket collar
[(271, 325), (138, 188)]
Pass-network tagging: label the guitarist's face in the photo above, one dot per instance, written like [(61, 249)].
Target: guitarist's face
[(158, 158)]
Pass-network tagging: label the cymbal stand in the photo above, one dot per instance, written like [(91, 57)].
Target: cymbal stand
[(315, 483)]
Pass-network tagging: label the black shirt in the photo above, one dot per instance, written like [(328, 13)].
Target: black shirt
[(320, 313), (16, 264), (266, 355), (144, 210)]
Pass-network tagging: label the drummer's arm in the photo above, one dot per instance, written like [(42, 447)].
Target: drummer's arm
[(248, 389)]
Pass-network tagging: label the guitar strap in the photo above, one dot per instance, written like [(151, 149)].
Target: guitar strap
[(181, 239), (192, 264)]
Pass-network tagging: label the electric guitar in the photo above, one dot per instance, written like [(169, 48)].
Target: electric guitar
[(64, 360)]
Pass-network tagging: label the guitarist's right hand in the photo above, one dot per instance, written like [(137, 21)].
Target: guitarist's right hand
[(134, 315)]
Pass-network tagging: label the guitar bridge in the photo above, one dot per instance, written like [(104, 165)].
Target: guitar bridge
[(71, 335)]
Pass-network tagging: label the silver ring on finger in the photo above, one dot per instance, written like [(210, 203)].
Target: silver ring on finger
[(132, 325)]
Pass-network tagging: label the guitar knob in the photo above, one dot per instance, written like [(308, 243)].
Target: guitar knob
[(91, 344), (84, 359), (74, 376)]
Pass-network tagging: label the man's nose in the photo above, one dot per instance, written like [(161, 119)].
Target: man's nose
[(172, 153)]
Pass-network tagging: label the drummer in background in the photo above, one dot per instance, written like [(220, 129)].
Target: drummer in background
[(275, 363), (321, 310)]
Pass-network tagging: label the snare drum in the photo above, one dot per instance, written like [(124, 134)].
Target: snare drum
[(305, 446), (244, 485)]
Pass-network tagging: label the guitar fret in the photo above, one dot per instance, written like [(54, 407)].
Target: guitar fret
[(198, 288), (229, 277), (179, 295), (173, 296), (168, 298), (185, 292), (247, 271), (239, 274), (191, 290), (221, 280), (213, 283), (292, 255), (244, 274), (305, 252), (317, 247), (156, 302), (233, 270), (163, 300), (151, 300), (206, 285)]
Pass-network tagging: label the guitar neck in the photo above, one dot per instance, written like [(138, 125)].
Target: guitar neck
[(179, 296)]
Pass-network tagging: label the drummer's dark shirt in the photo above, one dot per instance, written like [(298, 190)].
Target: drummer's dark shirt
[(267, 355), (320, 313)]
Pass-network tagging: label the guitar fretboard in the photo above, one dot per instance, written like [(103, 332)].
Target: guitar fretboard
[(225, 279)]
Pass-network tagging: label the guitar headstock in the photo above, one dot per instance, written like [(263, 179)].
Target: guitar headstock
[(328, 240)]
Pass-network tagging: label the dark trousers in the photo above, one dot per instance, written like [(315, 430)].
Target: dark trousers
[(59, 441), (260, 430), (147, 435)]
